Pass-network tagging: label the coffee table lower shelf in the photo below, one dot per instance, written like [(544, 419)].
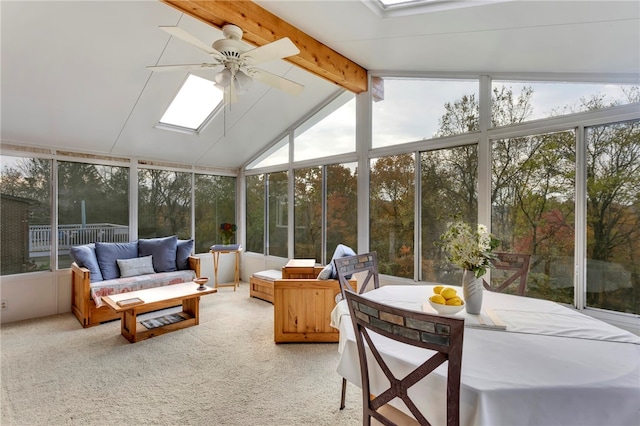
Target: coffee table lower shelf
[(134, 331)]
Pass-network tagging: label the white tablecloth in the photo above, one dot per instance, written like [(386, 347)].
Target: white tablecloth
[(552, 365)]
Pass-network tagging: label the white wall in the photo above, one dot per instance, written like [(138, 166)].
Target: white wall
[(36, 294), (255, 262)]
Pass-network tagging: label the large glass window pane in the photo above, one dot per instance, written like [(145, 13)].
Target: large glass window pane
[(341, 207), (308, 213), (255, 187), (524, 101), (409, 110), (215, 198), (25, 215), (332, 131), (532, 184), (278, 214), (449, 189), (613, 217), (164, 203), (93, 205), (391, 222)]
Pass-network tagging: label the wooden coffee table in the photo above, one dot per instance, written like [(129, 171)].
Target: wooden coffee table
[(135, 331)]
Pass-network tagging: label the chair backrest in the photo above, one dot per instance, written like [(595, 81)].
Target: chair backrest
[(444, 335), (518, 263), (349, 265)]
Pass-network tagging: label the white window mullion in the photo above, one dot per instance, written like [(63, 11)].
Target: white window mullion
[(580, 248)]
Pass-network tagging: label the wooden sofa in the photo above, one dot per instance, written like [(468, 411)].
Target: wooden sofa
[(84, 308)]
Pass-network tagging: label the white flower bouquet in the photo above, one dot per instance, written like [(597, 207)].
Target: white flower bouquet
[(471, 250)]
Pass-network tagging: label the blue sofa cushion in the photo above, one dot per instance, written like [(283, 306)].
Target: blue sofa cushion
[(329, 272), (163, 251), (184, 249), (85, 257), (109, 253)]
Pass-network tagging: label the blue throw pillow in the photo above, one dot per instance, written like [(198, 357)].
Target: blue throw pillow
[(185, 247), (163, 251), (329, 272), (85, 257), (109, 253)]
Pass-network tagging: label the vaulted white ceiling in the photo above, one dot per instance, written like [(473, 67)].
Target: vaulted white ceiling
[(74, 76)]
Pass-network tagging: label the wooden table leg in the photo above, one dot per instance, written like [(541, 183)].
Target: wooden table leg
[(236, 278), (129, 325), (192, 307), (216, 258)]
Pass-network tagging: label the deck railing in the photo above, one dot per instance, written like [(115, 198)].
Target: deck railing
[(73, 235)]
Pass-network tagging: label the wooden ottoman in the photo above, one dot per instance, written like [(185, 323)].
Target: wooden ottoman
[(302, 310), (261, 284)]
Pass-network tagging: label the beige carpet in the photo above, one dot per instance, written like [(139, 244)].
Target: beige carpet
[(225, 371)]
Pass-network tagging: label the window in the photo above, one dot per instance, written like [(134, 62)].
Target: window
[(515, 102), (93, 205), (613, 217), (277, 184), (164, 203), (392, 221), (278, 154), (308, 192), (215, 204), (532, 187), (26, 237), (341, 207), (330, 132), (409, 110), (449, 180), (194, 104), (255, 187)]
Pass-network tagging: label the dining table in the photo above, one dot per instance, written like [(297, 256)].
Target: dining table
[(525, 361)]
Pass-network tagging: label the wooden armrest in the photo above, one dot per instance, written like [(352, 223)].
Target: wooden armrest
[(194, 264), (86, 274)]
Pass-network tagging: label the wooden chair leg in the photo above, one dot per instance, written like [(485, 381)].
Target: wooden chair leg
[(344, 391)]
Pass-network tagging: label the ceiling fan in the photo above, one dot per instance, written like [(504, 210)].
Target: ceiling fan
[(237, 61)]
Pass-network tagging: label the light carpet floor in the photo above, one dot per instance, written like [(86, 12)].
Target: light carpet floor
[(225, 371)]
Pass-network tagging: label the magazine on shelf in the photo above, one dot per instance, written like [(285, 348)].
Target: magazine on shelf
[(129, 302)]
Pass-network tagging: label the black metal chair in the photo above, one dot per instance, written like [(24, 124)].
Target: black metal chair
[(444, 335), (345, 268), (518, 264)]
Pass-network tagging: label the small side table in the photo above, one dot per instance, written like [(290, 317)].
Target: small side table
[(299, 268), (222, 249)]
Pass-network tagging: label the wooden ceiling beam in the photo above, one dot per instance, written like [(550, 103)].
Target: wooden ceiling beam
[(261, 27)]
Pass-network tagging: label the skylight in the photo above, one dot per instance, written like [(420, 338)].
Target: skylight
[(392, 8), (406, 3), (194, 104)]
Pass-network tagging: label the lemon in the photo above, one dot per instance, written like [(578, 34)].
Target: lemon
[(454, 301), (437, 289), (436, 298), (448, 293)]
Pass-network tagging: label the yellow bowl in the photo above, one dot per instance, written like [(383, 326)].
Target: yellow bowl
[(446, 309)]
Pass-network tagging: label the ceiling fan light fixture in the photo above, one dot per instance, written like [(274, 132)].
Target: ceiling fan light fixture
[(243, 81), (223, 78)]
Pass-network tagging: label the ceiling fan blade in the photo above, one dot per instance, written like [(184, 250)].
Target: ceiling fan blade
[(288, 86), (277, 50), (185, 36), (181, 67)]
